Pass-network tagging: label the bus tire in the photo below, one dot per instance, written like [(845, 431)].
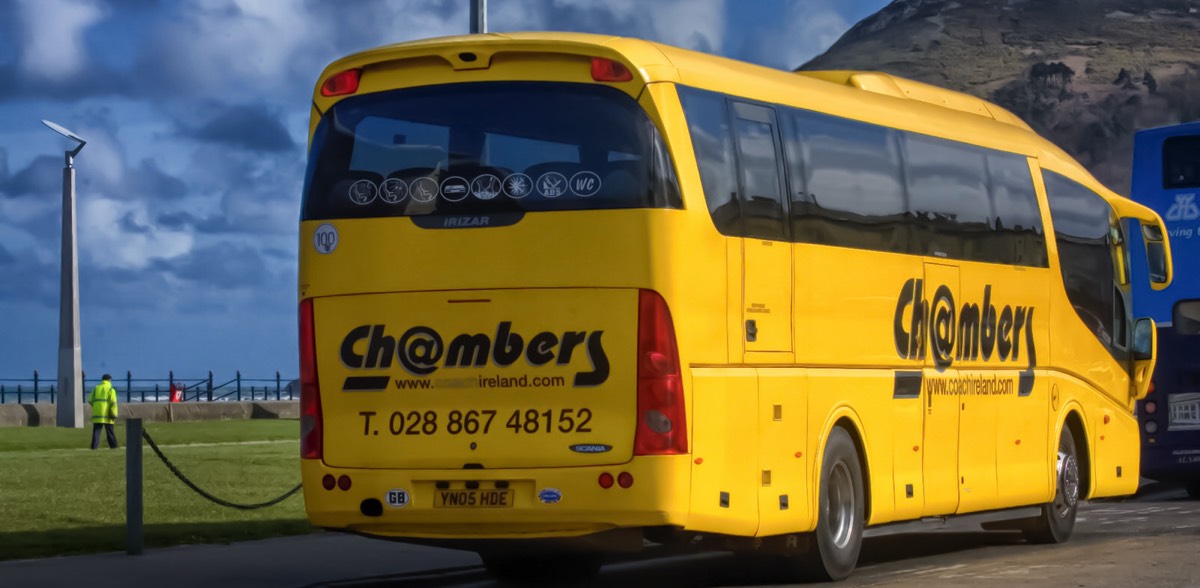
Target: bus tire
[(1193, 489), (542, 569), (1057, 520), (841, 510)]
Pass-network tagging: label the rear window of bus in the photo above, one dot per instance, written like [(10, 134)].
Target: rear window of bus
[(486, 147)]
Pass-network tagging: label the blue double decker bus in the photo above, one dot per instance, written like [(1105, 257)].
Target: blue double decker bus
[(1166, 177)]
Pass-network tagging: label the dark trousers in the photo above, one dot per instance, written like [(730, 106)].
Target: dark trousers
[(108, 428)]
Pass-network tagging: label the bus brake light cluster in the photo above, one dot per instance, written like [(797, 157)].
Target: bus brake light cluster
[(342, 83), (607, 70), (661, 418), (311, 427)]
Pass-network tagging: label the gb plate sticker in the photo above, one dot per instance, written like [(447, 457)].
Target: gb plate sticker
[(397, 498)]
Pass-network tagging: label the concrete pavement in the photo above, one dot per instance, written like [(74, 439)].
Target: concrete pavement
[(286, 562)]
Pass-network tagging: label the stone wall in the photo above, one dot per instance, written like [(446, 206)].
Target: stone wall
[(43, 413)]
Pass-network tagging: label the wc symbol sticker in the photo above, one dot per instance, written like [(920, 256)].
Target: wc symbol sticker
[(585, 183)]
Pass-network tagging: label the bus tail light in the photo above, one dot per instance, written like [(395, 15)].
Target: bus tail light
[(1151, 407), (311, 429), (662, 417), (342, 83), (607, 70)]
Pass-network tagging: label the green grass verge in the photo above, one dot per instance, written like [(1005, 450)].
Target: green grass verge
[(57, 497)]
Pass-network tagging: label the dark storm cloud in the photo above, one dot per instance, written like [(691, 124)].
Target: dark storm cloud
[(223, 266), (8, 34), (149, 181), (120, 289), (176, 220), (259, 195), (90, 81), (43, 175), (360, 28), (128, 224), (250, 127), (599, 18), (28, 280)]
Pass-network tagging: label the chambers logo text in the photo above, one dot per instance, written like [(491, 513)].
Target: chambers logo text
[(421, 350)]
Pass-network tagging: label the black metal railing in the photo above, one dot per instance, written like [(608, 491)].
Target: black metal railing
[(131, 389)]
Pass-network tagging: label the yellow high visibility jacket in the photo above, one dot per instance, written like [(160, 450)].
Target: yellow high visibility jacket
[(104, 403)]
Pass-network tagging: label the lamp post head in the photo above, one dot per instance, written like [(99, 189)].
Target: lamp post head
[(68, 134)]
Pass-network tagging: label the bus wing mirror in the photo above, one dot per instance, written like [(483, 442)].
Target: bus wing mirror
[(1158, 249), (1145, 344), (1158, 256)]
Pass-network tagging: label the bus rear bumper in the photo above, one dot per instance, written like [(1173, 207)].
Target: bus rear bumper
[(1171, 462), (536, 503)]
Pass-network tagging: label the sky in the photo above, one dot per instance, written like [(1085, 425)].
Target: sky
[(195, 114)]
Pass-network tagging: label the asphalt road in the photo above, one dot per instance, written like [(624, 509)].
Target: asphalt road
[(1150, 540)]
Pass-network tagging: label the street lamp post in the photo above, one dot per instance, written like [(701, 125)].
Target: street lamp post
[(478, 16), (70, 365)]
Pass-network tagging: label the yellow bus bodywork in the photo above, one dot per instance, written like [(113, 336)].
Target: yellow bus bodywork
[(758, 415)]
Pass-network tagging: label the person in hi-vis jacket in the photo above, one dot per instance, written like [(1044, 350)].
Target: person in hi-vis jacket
[(104, 411)]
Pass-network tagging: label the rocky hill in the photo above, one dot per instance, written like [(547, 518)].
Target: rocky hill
[(1084, 73)]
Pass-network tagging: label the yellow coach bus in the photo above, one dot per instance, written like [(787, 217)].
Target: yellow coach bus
[(563, 295)]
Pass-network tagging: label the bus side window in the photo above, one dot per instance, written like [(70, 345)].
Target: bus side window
[(846, 187), (947, 194), (758, 155), (712, 140), (1020, 232), (1181, 162), (1082, 228), (1186, 317)]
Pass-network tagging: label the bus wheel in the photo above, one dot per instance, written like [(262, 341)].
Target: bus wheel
[(840, 511), (544, 569), (1193, 489), (1057, 520)]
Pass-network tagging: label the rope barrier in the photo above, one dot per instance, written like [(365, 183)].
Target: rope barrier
[(201, 492)]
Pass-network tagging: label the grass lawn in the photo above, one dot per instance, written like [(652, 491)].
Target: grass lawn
[(57, 497)]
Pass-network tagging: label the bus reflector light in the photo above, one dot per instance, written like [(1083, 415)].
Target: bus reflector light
[(625, 480), (658, 422), (1151, 407), (328, 482), (606, 480), (342, 83), (607, 70), (344, 482)]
